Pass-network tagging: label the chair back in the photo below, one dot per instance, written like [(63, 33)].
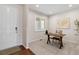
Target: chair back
[(46, 32)]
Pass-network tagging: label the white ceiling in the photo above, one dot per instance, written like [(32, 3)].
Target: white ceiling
[(50, 9)]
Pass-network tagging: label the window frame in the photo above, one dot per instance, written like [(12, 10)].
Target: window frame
[(36, 28)]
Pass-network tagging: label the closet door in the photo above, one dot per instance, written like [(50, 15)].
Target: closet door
[(8, 26)]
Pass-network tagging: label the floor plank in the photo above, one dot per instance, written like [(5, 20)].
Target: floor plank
[(19, 50), (23, 51)]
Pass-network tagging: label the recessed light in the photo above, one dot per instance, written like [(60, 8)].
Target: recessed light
[(37, 6), (70, 5)]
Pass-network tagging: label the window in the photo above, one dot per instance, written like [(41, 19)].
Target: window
[(39, 24)]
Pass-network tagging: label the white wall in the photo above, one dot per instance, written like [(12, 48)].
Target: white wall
[(70, 33), (33, 35), (10, 17), (24, 26)]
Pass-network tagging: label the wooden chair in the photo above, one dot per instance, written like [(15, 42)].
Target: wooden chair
[(59, 39)]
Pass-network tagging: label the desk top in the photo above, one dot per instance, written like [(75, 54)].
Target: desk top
[(56, 34)]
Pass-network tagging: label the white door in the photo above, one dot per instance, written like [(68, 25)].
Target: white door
[(8, 24)]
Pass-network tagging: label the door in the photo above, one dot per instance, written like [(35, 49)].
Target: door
[(8, 26)]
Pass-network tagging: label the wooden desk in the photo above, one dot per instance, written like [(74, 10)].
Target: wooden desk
[(56, 37)]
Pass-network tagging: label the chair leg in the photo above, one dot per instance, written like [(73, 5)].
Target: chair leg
[(61, 43), (52, 41), (60, 46), (48, 41)]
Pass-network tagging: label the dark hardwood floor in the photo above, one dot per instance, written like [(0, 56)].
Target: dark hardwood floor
[(23, 51)]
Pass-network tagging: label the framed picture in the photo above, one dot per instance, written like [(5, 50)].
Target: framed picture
[(64, 23)]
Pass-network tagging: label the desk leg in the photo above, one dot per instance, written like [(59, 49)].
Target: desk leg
[(61, 43), (48, 41)]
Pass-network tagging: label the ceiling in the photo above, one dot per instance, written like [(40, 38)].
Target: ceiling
[(51, 9)]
